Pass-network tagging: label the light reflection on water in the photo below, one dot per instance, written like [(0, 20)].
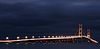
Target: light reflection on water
[(49, 46)]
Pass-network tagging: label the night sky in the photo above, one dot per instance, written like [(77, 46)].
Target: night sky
[(49, 16)]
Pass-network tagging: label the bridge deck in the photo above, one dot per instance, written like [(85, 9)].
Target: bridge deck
[(52, 38)]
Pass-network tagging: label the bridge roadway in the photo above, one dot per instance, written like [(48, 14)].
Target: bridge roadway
[(49, 38)]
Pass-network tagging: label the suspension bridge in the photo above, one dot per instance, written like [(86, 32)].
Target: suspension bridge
[(73, 38)]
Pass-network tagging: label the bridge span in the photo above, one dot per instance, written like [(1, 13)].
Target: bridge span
[(78, 36), (48, 38)]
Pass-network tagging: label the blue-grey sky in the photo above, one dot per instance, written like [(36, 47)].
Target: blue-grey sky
[(49, 15)]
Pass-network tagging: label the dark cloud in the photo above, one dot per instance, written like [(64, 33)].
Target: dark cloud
[(60, 16)]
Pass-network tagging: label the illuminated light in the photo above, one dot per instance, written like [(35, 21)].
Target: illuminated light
[(26, 37), (7, 38), (18, 37), (32, 36), (52, 36), (48, 36), (56, 36), (44, 36), (61, 36)]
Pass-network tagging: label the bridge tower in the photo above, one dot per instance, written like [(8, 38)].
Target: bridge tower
[(88, 33), (80, 30)]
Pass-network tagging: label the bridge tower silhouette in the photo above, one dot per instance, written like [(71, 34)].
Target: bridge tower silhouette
[(80, 31), (88, 34)]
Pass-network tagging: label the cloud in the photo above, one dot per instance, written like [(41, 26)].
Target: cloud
[(47, 15), (53, 16)]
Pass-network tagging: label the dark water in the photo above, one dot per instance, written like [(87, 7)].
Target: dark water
[(50, 46)]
